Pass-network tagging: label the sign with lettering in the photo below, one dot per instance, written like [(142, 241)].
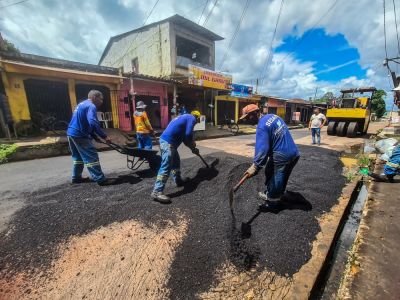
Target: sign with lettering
[(240, 90), (207, 78)]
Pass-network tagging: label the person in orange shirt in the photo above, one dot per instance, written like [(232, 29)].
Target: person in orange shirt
[(143, 127)]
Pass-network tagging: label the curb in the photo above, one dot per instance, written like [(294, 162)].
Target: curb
[(307, 280)]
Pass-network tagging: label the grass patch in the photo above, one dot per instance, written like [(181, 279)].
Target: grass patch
[(5, 151)]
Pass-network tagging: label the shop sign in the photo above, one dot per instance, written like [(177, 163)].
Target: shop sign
[(207, 78), (240, 90)]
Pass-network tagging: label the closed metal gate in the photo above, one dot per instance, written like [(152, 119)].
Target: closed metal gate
[(225, 108), (82, 91), (48, 98)]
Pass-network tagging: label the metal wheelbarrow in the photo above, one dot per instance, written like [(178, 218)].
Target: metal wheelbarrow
[(136, 157)]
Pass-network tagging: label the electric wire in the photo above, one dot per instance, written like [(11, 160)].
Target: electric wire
[(202, 12), (397, 31), (268, 60), (209, 14), (144, 23), (384, 27), (12, 4), (309, 31), (246, 6)]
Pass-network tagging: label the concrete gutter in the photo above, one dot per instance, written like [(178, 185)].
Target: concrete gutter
[(307, 279)]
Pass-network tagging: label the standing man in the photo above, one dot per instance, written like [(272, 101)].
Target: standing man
[(276, 149), (85, 126), (143, 127), (179, 130), (317, 121)]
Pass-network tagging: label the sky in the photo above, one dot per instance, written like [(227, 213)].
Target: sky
[(319, 46)]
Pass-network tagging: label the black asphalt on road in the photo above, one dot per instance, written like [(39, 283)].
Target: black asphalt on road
[(281, 240)]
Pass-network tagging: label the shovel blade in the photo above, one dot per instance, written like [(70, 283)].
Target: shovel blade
[(246, 230)]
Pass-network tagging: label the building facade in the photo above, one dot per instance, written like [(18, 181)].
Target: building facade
[(39, 87)]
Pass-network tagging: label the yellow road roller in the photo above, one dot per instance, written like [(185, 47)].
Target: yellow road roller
[(350, 114)]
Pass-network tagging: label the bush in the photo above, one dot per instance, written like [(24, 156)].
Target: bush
[(5, 151)]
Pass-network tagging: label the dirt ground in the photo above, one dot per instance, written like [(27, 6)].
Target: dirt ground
[(114, 242)]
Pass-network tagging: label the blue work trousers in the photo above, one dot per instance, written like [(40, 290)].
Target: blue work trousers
[(85, 154), (144, 141), (316, 132), (170, 164), (277, 173), (392, 166)]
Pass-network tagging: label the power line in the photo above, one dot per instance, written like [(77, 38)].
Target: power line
[(14, 3), (202, 12), (269, 57), (246, 6), (144, 23), (309, 31), (384, 27), (209, 14), (397, 32)]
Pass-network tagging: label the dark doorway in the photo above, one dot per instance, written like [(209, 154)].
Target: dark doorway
[(48, 98), (82, 91), (225, 108), (152, 109)]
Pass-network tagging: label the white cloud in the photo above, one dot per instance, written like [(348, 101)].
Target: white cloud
[(79, 30)]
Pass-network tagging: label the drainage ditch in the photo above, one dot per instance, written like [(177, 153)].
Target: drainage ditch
[(330, 277)]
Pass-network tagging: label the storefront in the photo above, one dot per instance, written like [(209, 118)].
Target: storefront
[(152, 91), (230, 107)]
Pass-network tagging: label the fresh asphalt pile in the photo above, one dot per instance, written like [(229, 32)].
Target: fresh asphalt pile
[(281, 240)]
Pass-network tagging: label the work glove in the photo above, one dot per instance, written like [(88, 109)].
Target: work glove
[(195, 151), (253, 170)]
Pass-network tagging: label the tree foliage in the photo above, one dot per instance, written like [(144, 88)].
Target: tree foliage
[(9, 47), (378, 105)]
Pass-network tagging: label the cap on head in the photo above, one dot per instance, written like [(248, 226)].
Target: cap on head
[(140, 104), (196, 113), (248, 109)]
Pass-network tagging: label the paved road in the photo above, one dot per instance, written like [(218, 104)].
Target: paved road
[(28, 176)]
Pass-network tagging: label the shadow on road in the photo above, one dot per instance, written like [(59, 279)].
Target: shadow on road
[(203, 174)]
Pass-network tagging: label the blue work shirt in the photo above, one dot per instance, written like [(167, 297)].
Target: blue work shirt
[(84, 122), (273, 136), (179, 130)]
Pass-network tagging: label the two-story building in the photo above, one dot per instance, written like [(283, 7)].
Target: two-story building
[(166, 50)]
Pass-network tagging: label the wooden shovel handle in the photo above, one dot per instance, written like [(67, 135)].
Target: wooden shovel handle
[(245, 177)]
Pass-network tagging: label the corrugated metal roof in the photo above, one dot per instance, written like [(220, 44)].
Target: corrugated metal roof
[(39, 60), (176, 19)]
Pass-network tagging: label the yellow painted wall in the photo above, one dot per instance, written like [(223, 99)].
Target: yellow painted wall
[(281, 112), (15, 90)]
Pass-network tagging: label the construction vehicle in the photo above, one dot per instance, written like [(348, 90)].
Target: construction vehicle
[(350, 114)]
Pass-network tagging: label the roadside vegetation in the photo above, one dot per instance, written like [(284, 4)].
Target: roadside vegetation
[(5, 151)]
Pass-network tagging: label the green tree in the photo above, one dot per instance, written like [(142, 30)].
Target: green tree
[(9, 47), (378, 105), (326, 97)]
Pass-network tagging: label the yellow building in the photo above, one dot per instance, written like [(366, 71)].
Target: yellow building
[(53, 87), (231, 107)]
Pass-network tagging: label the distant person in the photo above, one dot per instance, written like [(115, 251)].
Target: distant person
[(317, 121), (144, 130), (264, 109), (392, 166), (183, 110), (174, 111), (178, 131), (85, 126), (276, 150)]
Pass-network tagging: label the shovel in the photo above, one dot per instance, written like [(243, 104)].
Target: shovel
[(196, 152), (234, 189)]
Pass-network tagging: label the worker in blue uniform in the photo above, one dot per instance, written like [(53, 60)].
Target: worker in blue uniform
[(392, 166), (85, 126), (276, 150), (178, 131)]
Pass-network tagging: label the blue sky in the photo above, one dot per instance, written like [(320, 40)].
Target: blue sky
[(334, 59), (338, 49)]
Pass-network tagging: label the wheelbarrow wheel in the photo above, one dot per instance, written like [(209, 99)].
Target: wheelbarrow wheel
[(155, 162)]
